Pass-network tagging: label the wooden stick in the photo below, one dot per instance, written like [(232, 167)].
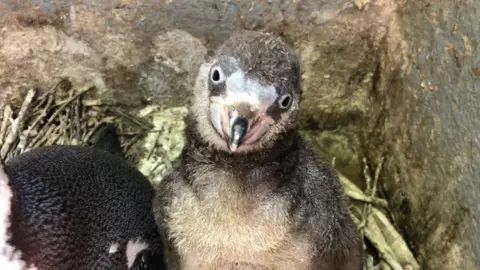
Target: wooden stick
[(7, 114), (67, 102), (361, 197), (144, 125), (43, 113), (382, 249), (385, 235), (46, 127), (17, 124)]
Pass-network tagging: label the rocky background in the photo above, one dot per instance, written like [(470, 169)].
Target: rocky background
[(382, 78)]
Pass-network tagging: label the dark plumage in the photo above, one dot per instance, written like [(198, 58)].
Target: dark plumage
[(81, 208), (106, 138), (263, 203)]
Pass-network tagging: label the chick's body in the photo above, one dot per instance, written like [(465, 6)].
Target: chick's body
[(266, 202)]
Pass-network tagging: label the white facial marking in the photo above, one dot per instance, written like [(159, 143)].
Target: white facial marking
[(242, 89), (10, 258), (113, 248), (134, 247), (215, 115)]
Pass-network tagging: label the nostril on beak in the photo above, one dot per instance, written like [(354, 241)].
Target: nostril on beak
[(239, 129)]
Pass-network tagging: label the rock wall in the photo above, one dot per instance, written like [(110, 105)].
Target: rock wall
[(391, 78), (432, 175)]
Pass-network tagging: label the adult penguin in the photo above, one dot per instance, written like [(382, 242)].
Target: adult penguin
[(72, 207)]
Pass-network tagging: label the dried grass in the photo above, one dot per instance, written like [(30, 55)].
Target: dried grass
[(151, 137)]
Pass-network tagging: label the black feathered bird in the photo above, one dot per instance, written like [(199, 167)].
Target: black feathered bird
[(71, 207), (250, 193)]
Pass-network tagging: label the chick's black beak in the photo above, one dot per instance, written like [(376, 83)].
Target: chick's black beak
[(238, 122), (238, 131)]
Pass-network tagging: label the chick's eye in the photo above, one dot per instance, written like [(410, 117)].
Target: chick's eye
[(217, 75), (285, 101)]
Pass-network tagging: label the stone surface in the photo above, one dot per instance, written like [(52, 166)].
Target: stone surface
[(125, 69), (391, 78), (432, 175)]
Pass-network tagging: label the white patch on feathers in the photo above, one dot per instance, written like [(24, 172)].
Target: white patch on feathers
[(134, 247), (113, 248), (9, 256)]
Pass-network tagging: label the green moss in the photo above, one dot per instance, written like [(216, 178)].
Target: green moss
[(162, 146), (341, 145)]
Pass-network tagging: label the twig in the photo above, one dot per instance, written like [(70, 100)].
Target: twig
[(67, 102), (154, 146), (43, 113), (384, 233), (366, 207), (128, 145), (57, 134), (71, 121), (50, 92), (83, 128), (376, 177), (134, 133), (153, 169), (67, 128), (7, 114), (383, 250), (369, 263), (92, 103), (23, 141), (92, 131), (133, 119), (16, 124), (371, 188), (52, 117), (78, 126), (41, 100), (384, 266), (394, 240), (40, 140), (361, 197)]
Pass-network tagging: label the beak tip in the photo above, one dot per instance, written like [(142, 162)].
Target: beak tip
[(238, 130), (233, 147)]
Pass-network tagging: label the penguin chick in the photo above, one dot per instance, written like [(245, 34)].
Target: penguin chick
[(250, 193), (81, 208)]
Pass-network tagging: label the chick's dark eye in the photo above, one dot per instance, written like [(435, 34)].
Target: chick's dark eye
[(285, 101), (217, 75)]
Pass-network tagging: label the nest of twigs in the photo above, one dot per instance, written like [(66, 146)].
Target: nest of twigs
[(152, 139)]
